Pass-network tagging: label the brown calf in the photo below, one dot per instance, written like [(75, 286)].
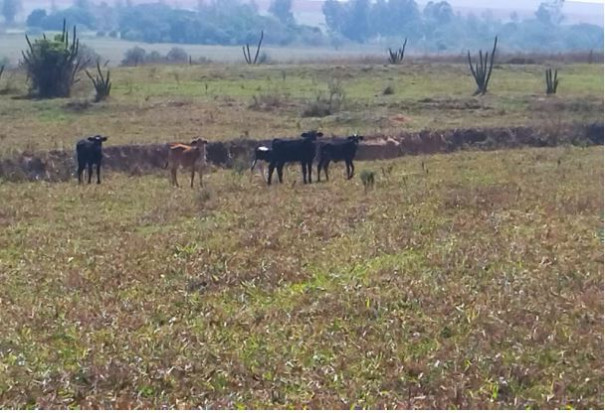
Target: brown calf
[(188, 156)]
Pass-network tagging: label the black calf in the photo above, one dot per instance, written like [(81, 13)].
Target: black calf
[(338, 150), (295, 150), (90, 152)]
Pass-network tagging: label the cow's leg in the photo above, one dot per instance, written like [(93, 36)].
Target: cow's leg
[(81, 167), (310, 171), (89, 172), (192, 175), (304, 171), (271, 169), (352, 169), (252, 169), (326, 169), (261, 166), (280, 172), (99, 173), (175, 182), (319, 164), (201, 172)]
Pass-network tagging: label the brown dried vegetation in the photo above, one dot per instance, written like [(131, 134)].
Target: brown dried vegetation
[(477, 284)]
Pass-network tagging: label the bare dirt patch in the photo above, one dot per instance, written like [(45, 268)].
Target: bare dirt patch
[(136, 159)]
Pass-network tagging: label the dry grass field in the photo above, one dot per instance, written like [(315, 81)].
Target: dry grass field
[(220, 101), (463, 280), (477, 284)]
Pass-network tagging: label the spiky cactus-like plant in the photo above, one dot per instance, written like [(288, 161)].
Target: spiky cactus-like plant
[(396, 57), (552, 82), (246, 50), (101, 83), (52, 64), (482, 70)]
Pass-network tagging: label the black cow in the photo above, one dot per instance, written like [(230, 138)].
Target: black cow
[(335, 150), (294, 150), (262, 154), (90, 152)]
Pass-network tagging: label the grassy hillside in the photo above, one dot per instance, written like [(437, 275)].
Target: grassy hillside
[(472, 280), (220, 101)]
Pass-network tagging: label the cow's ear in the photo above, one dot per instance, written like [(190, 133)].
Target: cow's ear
[(92, 138), (103, 138), (204, 141), (360, 137), (305, 134), (319, 134)]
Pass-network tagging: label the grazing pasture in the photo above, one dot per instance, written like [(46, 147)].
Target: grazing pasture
[(466, 280), (469, 280), (157, 104)]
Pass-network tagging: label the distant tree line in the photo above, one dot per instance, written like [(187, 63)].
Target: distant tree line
[(432, 28), (436, 27), (214, 22)]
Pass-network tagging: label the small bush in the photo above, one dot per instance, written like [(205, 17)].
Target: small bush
[(177, 55), (203, 197), (78, 105), (9, 82), (326, 105), (367, 178), (102, 83), (154, 57), (202, 60), (53, 63), (389, 90), (134, 57), (266, 101), (317, 109)]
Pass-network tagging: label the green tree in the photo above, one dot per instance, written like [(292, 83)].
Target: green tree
[(36, 18), (550, 12), (282, 10), (334, 14), (10, 9), (439, 12), (357, 25), (404, 17)]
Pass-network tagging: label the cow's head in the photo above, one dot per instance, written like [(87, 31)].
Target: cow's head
[(199, 142), (97, 139), (312, 135)]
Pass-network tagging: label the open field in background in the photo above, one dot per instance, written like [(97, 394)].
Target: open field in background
[(219, 101), (113, 50), (477, 284)]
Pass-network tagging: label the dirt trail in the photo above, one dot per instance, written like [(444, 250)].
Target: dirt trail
[(138, 159)]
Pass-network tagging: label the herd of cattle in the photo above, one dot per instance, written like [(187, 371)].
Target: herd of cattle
[(304, 150)]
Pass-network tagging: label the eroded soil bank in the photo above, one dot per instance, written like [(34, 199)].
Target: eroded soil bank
[(137, 159)]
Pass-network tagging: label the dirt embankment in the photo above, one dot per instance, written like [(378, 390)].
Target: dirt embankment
[(138, 159)]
